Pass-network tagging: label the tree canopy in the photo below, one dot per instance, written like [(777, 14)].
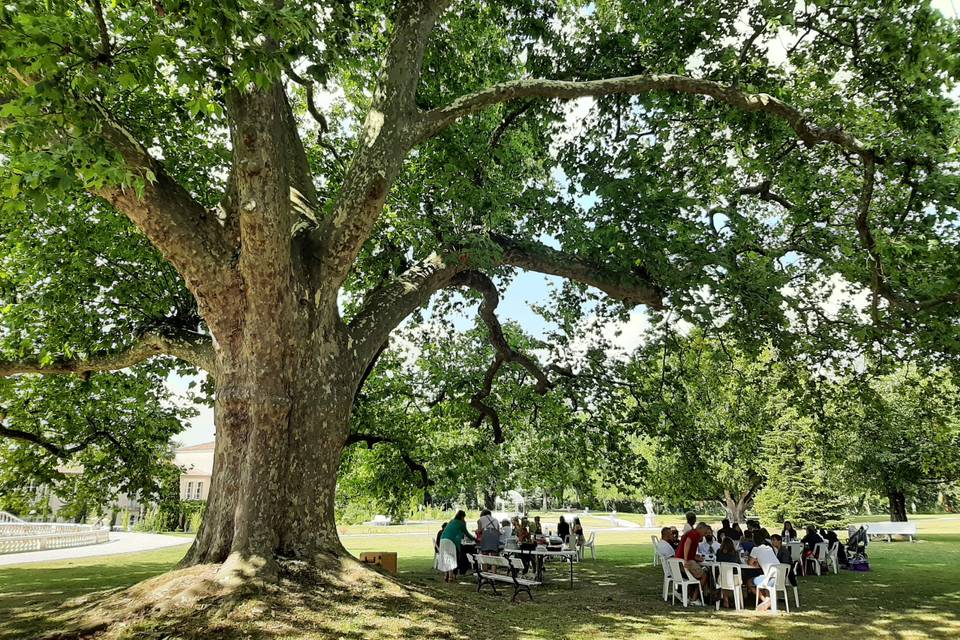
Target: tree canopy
[(175, 186)]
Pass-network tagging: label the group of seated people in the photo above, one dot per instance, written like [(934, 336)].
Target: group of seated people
[(492, 536), (755, 547)]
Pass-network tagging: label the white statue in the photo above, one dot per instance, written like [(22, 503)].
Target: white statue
[(648, 518)]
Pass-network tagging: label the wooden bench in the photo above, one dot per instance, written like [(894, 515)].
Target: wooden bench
[(511, 566), (890, 529)]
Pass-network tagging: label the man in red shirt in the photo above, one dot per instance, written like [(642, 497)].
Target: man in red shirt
[(687, 551)]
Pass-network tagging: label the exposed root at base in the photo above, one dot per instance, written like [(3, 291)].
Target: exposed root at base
[(197, 603)]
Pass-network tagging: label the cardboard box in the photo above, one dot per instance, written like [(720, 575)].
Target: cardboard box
[(385, 559)]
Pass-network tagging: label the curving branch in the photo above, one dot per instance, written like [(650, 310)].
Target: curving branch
[(633, 287), (483, 285), (59, 451), (194, 348), (370, 440), (484, 410), (438, 119), (106, 53)]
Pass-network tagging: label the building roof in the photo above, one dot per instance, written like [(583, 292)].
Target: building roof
[(206, 446)]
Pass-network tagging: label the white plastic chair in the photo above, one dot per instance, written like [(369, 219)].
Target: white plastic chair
[(656, 554), (667, 578), (590, 543), (682, 582), (731, 579), (570, 544), (819, 555), (776, 580), (832, 560)]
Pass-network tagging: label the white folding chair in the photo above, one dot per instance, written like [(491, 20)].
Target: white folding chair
[(667, 578), (656, 554), (731, 579), (591, 543), (775, 581), (683, 582)]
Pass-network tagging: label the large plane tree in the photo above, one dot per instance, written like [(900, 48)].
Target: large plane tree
[(734, 155)]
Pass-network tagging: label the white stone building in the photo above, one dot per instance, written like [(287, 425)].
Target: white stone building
[(196, 464)]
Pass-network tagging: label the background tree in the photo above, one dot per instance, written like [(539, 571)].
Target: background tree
[(304, 245), (900, 432)]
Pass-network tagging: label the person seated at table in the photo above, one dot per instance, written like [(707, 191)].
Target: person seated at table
[(812, 539), (746, 542), (708, 546), (736, 532), (728, 552), (762, 556), (687, 552), (833, 541), (665, 548), (766, 534), (455, 532), (537, 527), (789, 534), (675, 541), (691, 521), (525, 543), (489, 533), (578, 531), (563, 529), (506, 532), (784, 555)]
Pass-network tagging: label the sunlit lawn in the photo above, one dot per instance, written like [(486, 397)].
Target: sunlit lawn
[(911, 592)]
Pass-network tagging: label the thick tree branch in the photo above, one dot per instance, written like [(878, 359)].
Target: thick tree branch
[(386, 307), (486, 411), (190, 347), (58, 451), (488, 306), (370, 440), (188, 236), (387, 135), (634, 287), (106, 54), (812, 134)]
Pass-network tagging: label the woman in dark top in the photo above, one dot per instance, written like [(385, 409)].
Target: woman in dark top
[(736, 532), (789, 534), (728, 552), (812, 539), (563, 529), (578, 530)]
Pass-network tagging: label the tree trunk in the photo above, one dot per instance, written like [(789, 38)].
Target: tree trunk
[(898, 505), (736, 508), (489, 499), (282, 413)]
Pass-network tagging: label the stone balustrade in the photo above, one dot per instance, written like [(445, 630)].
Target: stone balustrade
[(16, 538)]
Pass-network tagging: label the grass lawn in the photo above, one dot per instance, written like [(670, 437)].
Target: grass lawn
[(911, 592)]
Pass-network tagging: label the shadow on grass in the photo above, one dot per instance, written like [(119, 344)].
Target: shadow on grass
[(912, 592)]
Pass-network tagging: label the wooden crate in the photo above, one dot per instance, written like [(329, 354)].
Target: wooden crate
[(385, 559)]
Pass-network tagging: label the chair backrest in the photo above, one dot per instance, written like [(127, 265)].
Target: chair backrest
[(515, 563), (820, 551), (571, 542), (666, 568), (796, 550), (676, 569), (654, 540), (730, 576), (592, 538)]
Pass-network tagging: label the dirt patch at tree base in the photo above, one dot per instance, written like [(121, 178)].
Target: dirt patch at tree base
[(335, 598)]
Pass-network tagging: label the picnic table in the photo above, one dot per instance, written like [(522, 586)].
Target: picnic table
[(539, 556)]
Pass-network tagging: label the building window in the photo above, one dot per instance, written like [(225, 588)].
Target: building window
[(189, 491), (200, 491)]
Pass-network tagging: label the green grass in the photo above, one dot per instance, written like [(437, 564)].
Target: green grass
[(913, 591)]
